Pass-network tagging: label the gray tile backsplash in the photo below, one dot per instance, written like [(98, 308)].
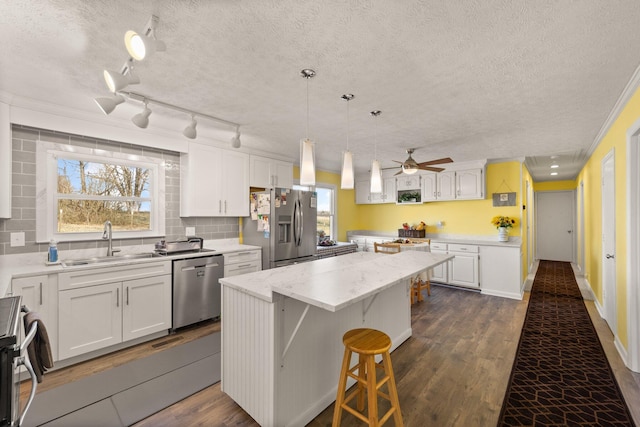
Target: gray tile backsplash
[(24, 140)]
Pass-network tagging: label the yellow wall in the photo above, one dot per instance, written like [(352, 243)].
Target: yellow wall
[(590, 176)]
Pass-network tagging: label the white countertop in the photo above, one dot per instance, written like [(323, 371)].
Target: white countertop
[(334, 283), (24, 265), (514, 241)]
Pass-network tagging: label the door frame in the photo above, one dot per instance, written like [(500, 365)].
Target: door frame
[(581, 231), (610, 291), (633, 250), (573, 221)]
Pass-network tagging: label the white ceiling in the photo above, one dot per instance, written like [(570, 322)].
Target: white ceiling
[(470, 79)]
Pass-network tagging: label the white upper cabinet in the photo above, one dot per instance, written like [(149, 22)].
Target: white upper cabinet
[(470, 184), (363, 195), (446, 185), (408, 182), (270, 173), (213, 182), (429, 187)]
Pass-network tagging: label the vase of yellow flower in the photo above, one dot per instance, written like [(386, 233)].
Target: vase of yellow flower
[(503, 224)]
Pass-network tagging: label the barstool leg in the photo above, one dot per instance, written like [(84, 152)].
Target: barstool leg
[(393, 391), (342, 385), (362, 378), (372, 391)]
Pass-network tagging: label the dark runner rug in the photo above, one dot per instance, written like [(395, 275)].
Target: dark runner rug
[(561, 376)]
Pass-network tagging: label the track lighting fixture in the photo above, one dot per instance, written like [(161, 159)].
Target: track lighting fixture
[(235, 140), (108, 104), (142, 45), (116, 81), (142, 119), (190, 131)]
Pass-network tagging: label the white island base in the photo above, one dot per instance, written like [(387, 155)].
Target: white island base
[(282, 329)]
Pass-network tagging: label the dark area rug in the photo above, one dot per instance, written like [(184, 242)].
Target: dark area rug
[(561, 376)]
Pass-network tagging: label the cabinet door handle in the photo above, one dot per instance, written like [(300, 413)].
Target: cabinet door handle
[(127, 295), (40, 293), (219, 206), (117, 297), (244, 266), (225, 206)]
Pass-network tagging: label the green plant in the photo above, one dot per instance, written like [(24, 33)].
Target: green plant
[(409, 196)]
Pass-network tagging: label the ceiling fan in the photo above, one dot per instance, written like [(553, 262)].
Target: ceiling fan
[(410, 166)]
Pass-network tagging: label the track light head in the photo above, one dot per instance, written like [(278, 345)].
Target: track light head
[(108, 104), (235, 140), (117, 81), (190, 131), (140, 47), (142, 119)]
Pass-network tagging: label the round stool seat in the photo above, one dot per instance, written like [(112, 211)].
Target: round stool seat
[(366, 341)]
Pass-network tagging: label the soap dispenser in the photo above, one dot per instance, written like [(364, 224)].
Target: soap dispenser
[(53, 251)]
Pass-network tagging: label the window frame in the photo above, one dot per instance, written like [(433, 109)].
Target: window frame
[(47, 154)]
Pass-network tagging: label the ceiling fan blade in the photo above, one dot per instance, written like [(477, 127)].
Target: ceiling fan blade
[(397, 161), (398, 173), (437, 162), (430, 168)]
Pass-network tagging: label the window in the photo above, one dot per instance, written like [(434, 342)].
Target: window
[(85, 188), (326, 208)]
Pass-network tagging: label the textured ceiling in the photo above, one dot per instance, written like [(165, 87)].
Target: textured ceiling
[(472, 79)]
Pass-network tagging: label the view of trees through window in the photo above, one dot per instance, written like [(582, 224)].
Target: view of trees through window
[(90, 193), (325, 210)]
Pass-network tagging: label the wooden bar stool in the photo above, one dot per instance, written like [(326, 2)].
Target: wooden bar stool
[(367, 343)]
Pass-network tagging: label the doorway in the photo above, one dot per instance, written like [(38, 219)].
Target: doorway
[(555, 219), (608, 170)]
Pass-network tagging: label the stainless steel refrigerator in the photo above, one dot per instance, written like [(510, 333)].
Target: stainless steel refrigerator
[(283, 222)]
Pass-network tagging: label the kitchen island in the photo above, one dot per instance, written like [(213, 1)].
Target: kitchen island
[(282, 328)]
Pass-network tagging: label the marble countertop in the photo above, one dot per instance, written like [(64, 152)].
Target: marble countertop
[(334, 283), (25, 265)]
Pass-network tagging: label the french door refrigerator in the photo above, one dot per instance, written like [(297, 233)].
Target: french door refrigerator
[(283, 222)]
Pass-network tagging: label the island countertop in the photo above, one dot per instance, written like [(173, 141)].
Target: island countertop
[(334, 283)]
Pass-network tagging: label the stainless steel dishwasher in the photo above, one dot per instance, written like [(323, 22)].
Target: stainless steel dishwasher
[(196, 290)]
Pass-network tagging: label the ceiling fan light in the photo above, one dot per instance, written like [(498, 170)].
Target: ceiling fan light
[(190, 131), (376, 177), (108, 104), (347, 178), (409, 169), (142, 119), (307, 162)]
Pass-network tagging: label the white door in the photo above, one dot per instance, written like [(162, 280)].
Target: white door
[(609, 240), (146, 306), (555, 218)]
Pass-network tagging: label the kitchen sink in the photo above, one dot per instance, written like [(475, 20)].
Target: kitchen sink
[(107, 259)]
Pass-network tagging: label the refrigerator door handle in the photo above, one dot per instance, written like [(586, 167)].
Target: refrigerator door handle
[(295, 223), (300, 223)]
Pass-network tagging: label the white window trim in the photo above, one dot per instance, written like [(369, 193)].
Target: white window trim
[(47, 178)]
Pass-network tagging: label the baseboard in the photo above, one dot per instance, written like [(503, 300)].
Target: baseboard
[(621, 350), (510, 295)]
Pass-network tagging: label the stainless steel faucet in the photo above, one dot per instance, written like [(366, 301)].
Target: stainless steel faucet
[(107, 235)]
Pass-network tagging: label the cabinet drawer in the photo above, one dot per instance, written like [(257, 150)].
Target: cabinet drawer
[(463, 248), (241, 268), (435, 246), (95, 276), (242, 257)]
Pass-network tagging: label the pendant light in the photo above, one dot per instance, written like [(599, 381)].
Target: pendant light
[(376, 170), (307, 147), (346, 180)]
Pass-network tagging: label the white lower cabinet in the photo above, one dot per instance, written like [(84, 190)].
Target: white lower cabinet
[(106, 309), (440, 272), (237, 263), (39, 294), (463, 268)]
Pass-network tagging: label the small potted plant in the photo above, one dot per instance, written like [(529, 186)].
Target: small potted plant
[(409, 197), (503, 224)]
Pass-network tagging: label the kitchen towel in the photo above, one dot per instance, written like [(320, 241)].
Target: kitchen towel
[(39, 349)]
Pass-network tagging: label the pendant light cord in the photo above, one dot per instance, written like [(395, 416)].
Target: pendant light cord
[(307, 108), (347, 125)]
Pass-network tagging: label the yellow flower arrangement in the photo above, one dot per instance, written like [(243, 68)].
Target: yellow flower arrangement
[(503, 221)]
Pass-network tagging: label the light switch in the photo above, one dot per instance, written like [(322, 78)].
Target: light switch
[(191, 231), (17, 239)]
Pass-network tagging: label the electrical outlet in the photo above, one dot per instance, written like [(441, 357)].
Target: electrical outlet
[(17, 239), (191, 231)]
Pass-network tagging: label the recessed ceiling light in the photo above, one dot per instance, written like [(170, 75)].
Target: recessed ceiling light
[(554, 173), (555, 165)]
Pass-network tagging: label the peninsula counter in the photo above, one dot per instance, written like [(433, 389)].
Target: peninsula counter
[(282, 328)]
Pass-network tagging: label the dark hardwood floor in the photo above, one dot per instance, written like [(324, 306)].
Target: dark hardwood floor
[(453, 371)]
